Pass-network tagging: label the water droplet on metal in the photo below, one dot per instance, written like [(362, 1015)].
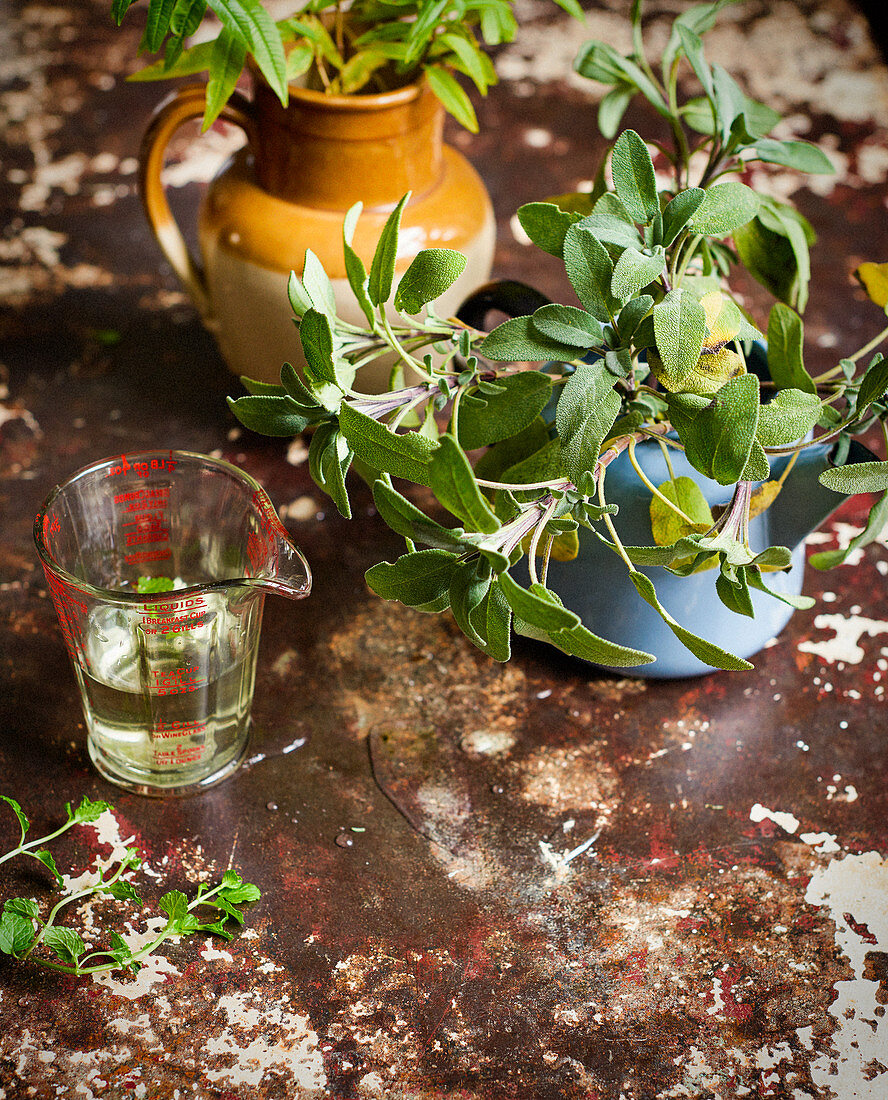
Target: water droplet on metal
[(271, 805), (345, 840)]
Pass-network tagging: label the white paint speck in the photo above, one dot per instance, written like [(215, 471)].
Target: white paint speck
[(788, 822)]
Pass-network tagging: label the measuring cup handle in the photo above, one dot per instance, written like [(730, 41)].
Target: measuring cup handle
[(184, 104)]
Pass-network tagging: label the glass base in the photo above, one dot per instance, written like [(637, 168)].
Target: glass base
[(172, 786)]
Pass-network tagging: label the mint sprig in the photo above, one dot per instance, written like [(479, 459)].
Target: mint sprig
[(24, 930)]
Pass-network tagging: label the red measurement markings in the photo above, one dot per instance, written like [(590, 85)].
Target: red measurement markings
[(174, 681), (142, 468), (173, 617), (146, 527), (70, 612), (179, 754), (166, 730), (262, 544)]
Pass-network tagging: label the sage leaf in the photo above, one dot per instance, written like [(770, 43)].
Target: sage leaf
[(430, 274), (785, 350), (635, 270), (856, 477), (586, 409), (316, 337), (718, 438), (801, 155), (590, 270), (546, 225), (355, 271), (705, 651), (579, 641), (874, 384), (406, 519), (757, 467), (453, 483), (537, 605), (491, 621), (495, 417), (568, 325), (679, 211), (469, 585), (382, 268), (634, 179), (726, 207), (418, 579), (734, 593), (269, 415), (800, 603), (788, 416), (518, 340), (317, 286), (685, 494), (612, 108), (329, 458), (631, 316), (680, 331), (406, 456)]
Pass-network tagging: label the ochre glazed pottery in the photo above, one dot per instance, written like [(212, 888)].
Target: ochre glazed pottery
[(303, 166)]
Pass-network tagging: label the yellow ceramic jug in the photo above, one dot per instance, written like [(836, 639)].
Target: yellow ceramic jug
[(289, 188)]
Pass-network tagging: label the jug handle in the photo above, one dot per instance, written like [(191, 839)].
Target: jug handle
[(504, 296), (182, 105)]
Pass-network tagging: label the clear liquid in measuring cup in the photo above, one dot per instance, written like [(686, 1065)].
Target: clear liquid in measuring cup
[(167, 705)]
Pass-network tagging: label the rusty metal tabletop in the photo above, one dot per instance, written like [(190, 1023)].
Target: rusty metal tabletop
[(432, 924)]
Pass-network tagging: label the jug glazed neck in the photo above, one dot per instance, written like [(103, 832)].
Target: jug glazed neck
[(331, 151)]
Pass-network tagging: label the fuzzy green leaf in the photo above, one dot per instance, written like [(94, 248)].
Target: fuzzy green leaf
[(546, 225), (405, 456), (705, 651), (454, 485), (537, 605), (874, 384), (590, 270), (680, 330), (876, 521), (568, 325), (785, 350), (382, 269), (430, 274), (518, 340), (269, 415), (725, 208), (789, 416), (801, 155), (856, 477), (419, 579), (406, 519), (586, 410), (634, 270), (491, 418), (491, 620), (634, 179), (679, 211)]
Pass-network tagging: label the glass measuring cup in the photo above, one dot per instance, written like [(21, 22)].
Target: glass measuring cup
[(158, 563)]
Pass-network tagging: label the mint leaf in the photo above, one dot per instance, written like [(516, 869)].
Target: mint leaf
[(65, 943), (16, 933), (23, 821), (174, 904)]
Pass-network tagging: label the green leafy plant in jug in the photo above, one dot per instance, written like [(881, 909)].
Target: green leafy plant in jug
[(656, 349), (334, 47)]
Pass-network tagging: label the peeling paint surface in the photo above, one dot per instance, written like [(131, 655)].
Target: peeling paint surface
[(520, 882)]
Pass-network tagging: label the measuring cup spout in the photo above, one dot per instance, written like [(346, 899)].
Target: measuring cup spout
[(276, 563)]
